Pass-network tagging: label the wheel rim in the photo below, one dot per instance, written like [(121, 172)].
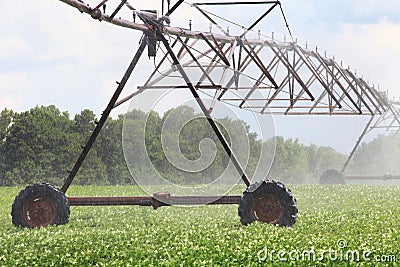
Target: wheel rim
[(39, 211), (267, 209)]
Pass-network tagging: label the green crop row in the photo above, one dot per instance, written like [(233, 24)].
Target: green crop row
[(335, 225)]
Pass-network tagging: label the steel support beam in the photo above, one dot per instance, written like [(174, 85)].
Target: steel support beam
[(196, 61), (117, 9), (291, 70), (364, 132), (350, 84), (250, 51), (158, 200), (215, 48), (206, 112), (104, 116), (385, 177)]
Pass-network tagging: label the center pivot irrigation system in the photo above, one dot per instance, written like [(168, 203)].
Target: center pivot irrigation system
[(285, 79)]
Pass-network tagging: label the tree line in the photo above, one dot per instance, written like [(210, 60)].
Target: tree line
[(43, 143)]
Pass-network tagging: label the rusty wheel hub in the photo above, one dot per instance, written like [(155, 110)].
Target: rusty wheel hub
[(39, 211), (267, 209)]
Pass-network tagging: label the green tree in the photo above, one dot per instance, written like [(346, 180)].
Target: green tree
[(6, 118), (290, 163), (36, 146), (133, 139), (111, 152), (321, 159), (42, 144), (84, 123)]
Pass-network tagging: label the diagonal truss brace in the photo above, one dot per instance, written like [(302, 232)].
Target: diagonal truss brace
[(104, 116), (392, 114), (205, 111)]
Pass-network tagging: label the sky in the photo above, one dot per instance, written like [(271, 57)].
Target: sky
[(51, 54)]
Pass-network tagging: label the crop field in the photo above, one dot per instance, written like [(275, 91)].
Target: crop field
[(350, 225)]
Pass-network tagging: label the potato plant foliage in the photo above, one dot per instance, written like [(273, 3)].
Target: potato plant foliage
[(364, 217)]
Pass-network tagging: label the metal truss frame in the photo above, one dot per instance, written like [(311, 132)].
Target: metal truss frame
[(285, 77), (291, 81)]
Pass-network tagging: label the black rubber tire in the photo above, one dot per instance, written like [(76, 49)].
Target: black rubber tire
[(52, 198), (332, 176), (268, 188)]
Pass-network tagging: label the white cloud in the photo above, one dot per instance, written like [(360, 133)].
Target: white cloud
[(13, 47), (12, 88), (371, 7), (6, 102), (373, 50)]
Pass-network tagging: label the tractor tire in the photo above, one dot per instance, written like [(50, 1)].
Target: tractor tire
[(332, 176), (40, 205), (269, 202)]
